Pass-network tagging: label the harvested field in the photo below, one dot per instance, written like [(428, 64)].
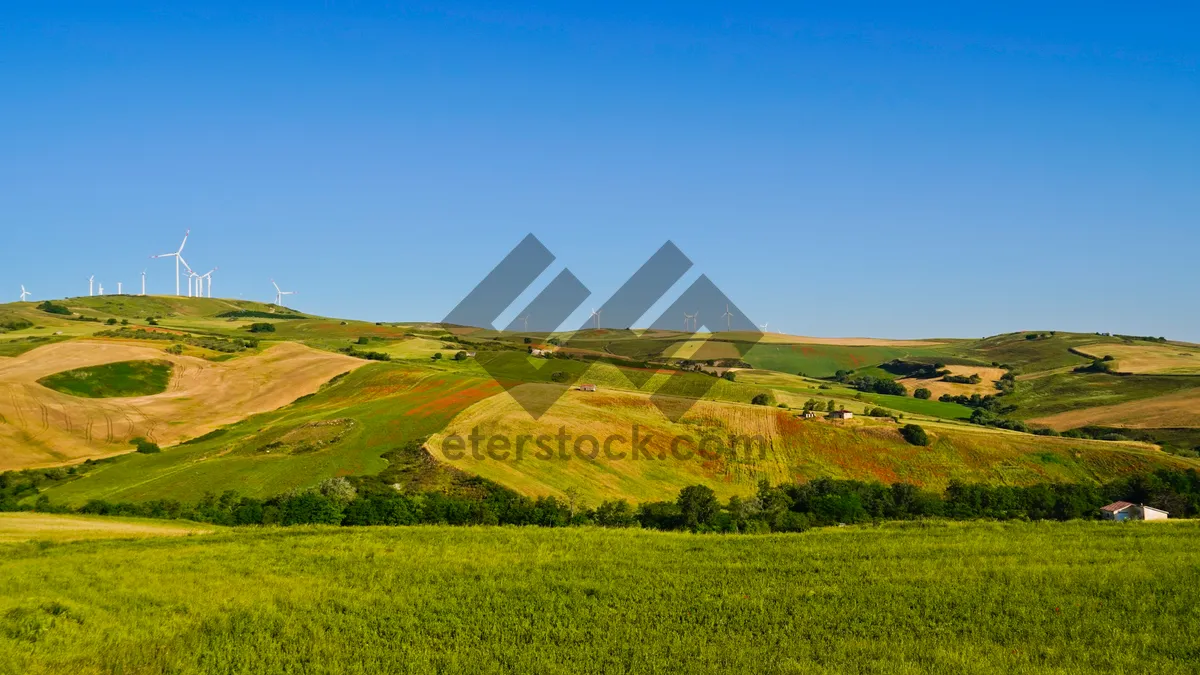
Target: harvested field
[(1158, 359), (1176, 410), (41, 427), (780, 338), (938, 387), (15, 527)]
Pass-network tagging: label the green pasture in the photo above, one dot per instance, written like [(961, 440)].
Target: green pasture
[(123, 378), (1078, 597)]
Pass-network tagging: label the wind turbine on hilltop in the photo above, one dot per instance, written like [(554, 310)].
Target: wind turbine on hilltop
[(597, 315), (143, 282), (24, 293), (202, 277), (690, 317), (90, 280), (525, 320), (177, 255), (728, 316), (764, 326), (280, 293)]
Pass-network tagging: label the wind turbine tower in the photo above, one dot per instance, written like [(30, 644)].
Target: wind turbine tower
[(597, 316), (24, 293), (143, 282), (280, 293), (90, 280), (119, 292), (728, 316), (178, 257), (201, 278)]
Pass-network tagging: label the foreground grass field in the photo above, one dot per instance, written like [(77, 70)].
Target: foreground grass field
[(944, 598)]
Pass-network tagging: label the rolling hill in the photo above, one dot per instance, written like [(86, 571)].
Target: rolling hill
[(275, 410)]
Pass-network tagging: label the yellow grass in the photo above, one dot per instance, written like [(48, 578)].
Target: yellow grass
[(795, 449), (1180, 409), (41, 427), (781, 338), (1163, 359), (411, 348), (18, 527), (938, 387)]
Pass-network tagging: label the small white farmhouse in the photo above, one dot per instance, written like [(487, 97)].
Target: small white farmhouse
[(1131, 511)]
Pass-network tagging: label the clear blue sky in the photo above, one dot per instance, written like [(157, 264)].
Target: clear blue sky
[(846, 169)]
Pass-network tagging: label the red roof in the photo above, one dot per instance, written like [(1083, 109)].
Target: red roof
[(1116, 506)]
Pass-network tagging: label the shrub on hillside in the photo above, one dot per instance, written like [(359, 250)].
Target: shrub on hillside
[(923, 394), (761, 399), (146, 447), (262, 327), (914, 434), (51, 308), (559, 376)]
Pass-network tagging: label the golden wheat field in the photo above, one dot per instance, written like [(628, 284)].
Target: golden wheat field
[(938, 387), (1177, 410), (1165, 359), (41, 427)]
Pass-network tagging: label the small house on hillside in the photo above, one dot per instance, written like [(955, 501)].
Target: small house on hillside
[(842, 414), (534, 351), (808, 414), (1131, 511), (587, 387)]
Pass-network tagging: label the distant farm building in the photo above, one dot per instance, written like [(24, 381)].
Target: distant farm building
[(842, 414), (808, 414), (1131, 511), (539, 352), (470, 355), (587, 387)]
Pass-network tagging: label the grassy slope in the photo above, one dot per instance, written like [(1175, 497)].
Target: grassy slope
[(124, 378), (388, 403), (798, 450), (45, 527), (933, 598)]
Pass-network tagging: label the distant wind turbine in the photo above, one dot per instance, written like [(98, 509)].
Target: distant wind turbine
[(280, 293), (24, 293), (597, 315), (728, 316), (119, 292), (143, 282), (525, 320), (202, 277), (764, 326), (177, 255), (90, 280)]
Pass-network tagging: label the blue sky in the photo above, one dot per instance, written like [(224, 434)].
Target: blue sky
[(846, 169)]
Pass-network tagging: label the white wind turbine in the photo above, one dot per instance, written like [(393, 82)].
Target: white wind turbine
[(597, 315), (686, 318), (728, 316), (178, 258), (143, 282), (101, 290), (525, 320), (202, 277), (24, 293), (119, 292), (279, 293), (764, 326), (90, 280)]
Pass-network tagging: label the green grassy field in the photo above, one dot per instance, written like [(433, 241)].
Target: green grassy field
[(1061, 392), (825, 360), (123, 378), (1079, 597), (341, 430)]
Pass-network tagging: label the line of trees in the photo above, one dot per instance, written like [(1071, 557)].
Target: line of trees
[(792, 507)]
